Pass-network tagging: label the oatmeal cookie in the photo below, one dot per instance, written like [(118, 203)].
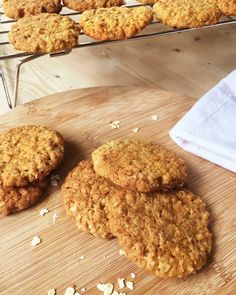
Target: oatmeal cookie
[(14, 199), (115, 23), (29, 153), (139, 166), (228, 7), (85, 195), (81, 5), (19, 8), (44, 33), (188, 13), (166, 234)]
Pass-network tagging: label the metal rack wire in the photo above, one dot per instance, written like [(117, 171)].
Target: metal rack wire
[(24, 57)]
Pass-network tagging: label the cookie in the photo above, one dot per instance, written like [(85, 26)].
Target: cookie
[(166, 234), (188, 13), (44, 33), (29, 153), (81, 5), (116, 23), (139, 166), (227, 7), (14, 199), (85, 195), (19, 8)]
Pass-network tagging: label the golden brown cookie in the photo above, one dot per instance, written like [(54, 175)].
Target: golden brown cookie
[(139, 166), (188, 13), (228, 7), (44, 33), (116, 23), (14, 199), (20, 8), (81, 5), (29, 153), (85, 195), (166, 234)]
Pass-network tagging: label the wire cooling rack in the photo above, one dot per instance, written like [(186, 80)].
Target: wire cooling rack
[(154, 29)]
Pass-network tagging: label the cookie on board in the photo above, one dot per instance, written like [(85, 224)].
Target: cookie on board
[(85, 195), (19, 8), (115, 23), (29, 153), (44, 33), (139, 166), (164, 233), (188, 13)]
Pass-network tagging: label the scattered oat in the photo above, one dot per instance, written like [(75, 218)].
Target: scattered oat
[(121, 282), (52, 292), (54, 182), (81, 257), (57, 176), (83, 289), (115, 124), (105, 288), (54, 217), (136, 129), (43, 211), (35, 241), (154, 117), (121, 252), (130, 285), (133, 275), (70, 291)]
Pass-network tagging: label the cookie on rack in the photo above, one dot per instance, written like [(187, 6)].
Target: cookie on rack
[(81, 5), (44, 33), (29, 153), (166, 234), (115, 23), (85, 195), (14, 199), (188, 13), (19, 8), (139, 166), (228, 7)]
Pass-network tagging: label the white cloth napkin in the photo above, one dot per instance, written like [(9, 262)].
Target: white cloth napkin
[(208, 130)]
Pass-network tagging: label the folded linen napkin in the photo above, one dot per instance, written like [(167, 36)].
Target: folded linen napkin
[(208, 130)]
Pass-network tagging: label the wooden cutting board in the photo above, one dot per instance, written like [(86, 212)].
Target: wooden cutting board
[(83, 117)]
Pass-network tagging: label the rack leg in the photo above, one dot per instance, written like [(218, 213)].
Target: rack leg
[(5, 88)]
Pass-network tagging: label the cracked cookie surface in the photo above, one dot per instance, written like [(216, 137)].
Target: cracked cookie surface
[(81, 5), (19, 8), (29, 153), (44, 33), (85, 195), (165, 233), (116, 23), (139, 166), (187, 13)]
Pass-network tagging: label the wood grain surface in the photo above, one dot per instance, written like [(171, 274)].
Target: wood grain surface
[(83, 117)]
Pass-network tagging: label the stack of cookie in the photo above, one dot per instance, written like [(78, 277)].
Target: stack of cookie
[(133, 191), (27, 155)]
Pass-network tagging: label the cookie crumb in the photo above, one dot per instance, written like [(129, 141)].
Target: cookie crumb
[(83, 289), (133, 275), (52, 292), (54, 182), (115, 124), (35, 241), (121, 252), (70, 291), (136, 129), (130, 285), (121, 282), (154, 117), (82, 257), (107, 289), (54, 217), (104, 256), (43, 211)]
